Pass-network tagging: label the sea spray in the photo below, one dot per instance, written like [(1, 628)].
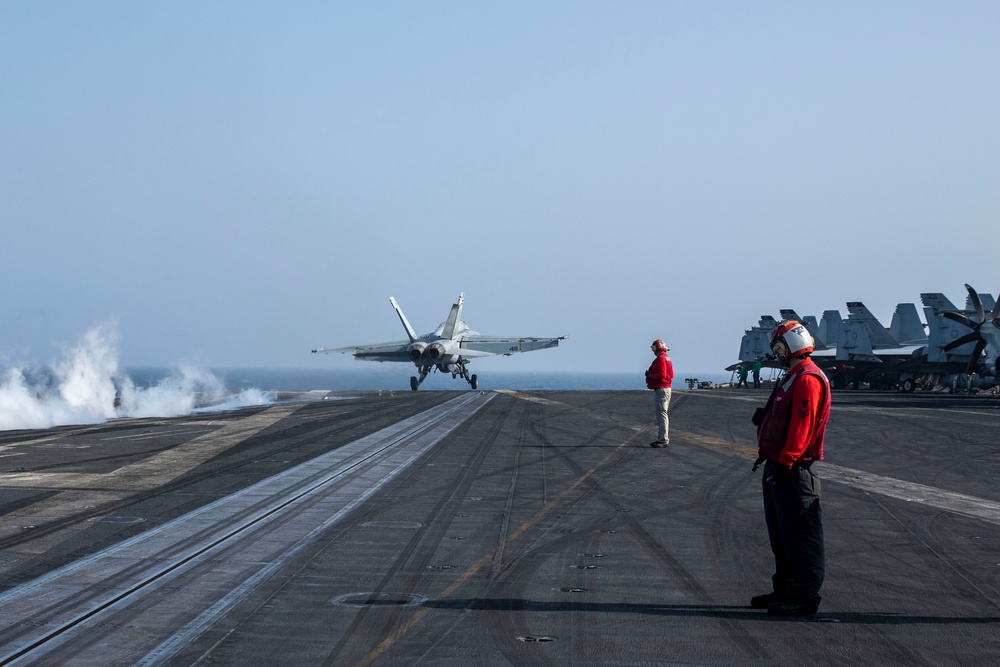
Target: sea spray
[(179, 393), (87, 387), (27, 403), (86, 379)]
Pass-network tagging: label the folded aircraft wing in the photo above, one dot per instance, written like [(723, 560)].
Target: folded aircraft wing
[(485, 346)]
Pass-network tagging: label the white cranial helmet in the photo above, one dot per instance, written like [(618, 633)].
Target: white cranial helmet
[(795, 337)]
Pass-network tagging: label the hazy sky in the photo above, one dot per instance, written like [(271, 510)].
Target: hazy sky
[(235, 183)]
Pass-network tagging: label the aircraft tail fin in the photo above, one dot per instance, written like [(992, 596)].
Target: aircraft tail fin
[(809, 322), (829, 326), (789, 314), (755, 344), (878, 334), (854, 342), (767, 323), (454, 317), (812, 326), (986, 300), (937, 301), (402, 318), (906, 326)]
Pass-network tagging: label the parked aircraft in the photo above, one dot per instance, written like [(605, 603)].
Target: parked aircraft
[(953, 343), (756, 342), (866, 342), (448, 349), (984, 331)]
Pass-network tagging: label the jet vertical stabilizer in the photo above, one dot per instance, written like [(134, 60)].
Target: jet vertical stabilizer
[(454, 317), (767, 323), (789, 314), (854, 342), (986, 301), (755, 344), (402, 318), (829, 326), (809, 322), (937, 301), (878, 334), (906, 326), (941, 330)]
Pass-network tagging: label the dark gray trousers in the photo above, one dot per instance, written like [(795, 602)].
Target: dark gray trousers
[(795, 528)]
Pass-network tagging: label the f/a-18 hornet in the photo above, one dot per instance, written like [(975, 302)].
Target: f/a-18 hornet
[(448, 349)]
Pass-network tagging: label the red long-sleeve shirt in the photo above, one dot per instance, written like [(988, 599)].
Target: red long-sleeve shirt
[(661, 372), (795, 417)]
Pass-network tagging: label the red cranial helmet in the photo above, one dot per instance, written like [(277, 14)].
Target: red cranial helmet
[(659, 346), (795, 337)]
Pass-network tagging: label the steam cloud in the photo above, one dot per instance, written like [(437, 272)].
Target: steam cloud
[(83, 387)]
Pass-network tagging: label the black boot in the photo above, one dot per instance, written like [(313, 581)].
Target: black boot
[(793, 608), (766, 600)]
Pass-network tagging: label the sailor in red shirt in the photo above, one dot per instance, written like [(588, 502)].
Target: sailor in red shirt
[(790, 431), (658, 378)]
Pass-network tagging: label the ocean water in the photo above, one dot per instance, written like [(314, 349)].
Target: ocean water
[(90, 388), (397, 378)]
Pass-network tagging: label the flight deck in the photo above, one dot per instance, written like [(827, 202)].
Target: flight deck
[(493, 528)]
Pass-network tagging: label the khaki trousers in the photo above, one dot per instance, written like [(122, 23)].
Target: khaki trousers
[(661, 398)]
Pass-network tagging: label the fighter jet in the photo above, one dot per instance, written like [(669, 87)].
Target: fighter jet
[(866, 342), (954, 343), (448, 349), (983, 329)]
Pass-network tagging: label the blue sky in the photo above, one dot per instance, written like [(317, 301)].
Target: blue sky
[(233, 184)]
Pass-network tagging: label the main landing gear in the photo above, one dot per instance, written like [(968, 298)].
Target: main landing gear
[(457, 370)]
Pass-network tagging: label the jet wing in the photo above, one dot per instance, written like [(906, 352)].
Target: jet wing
[(485, 346), (395, 351)]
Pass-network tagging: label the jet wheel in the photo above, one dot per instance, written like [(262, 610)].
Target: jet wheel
[(474, 382), (909, 385), (413, 383)]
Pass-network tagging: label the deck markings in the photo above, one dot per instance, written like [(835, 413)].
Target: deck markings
[(292, 508), (83, 489), (951, 501), (488, 557)]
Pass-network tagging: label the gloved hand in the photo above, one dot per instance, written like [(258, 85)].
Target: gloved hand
[(758, 416), (648, 374), (781, 474)]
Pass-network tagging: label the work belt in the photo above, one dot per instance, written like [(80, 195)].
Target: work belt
[(797, 464)]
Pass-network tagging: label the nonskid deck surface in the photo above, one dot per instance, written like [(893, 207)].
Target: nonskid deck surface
[(493, 528)]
